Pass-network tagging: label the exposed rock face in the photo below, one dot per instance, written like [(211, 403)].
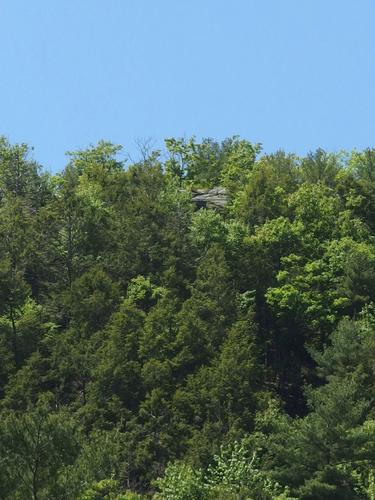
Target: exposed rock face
[(215, 198)]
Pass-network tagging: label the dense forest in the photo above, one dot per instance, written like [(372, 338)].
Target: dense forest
[(155, 347)]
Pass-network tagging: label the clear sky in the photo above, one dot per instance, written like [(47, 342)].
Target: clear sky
[(291, 74)]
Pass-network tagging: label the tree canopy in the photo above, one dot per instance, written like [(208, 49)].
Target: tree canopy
[(152, 348)]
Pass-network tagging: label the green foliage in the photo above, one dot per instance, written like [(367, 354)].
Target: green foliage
[(234, 473), (239, 161), (100, 459), (181, 482), (223, 354), (210, 163), (108, 489), (35, 447)]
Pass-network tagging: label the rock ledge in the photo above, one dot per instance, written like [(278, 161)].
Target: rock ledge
[(215, 198)]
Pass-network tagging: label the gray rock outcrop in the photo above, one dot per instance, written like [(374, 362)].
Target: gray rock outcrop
[(215, 198)]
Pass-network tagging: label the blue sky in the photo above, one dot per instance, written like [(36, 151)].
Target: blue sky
[(291, 74)]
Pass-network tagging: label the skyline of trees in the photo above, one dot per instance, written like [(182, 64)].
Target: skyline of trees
[(153, 349)]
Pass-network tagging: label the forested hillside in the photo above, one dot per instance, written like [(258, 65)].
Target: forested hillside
[(152, 347)]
